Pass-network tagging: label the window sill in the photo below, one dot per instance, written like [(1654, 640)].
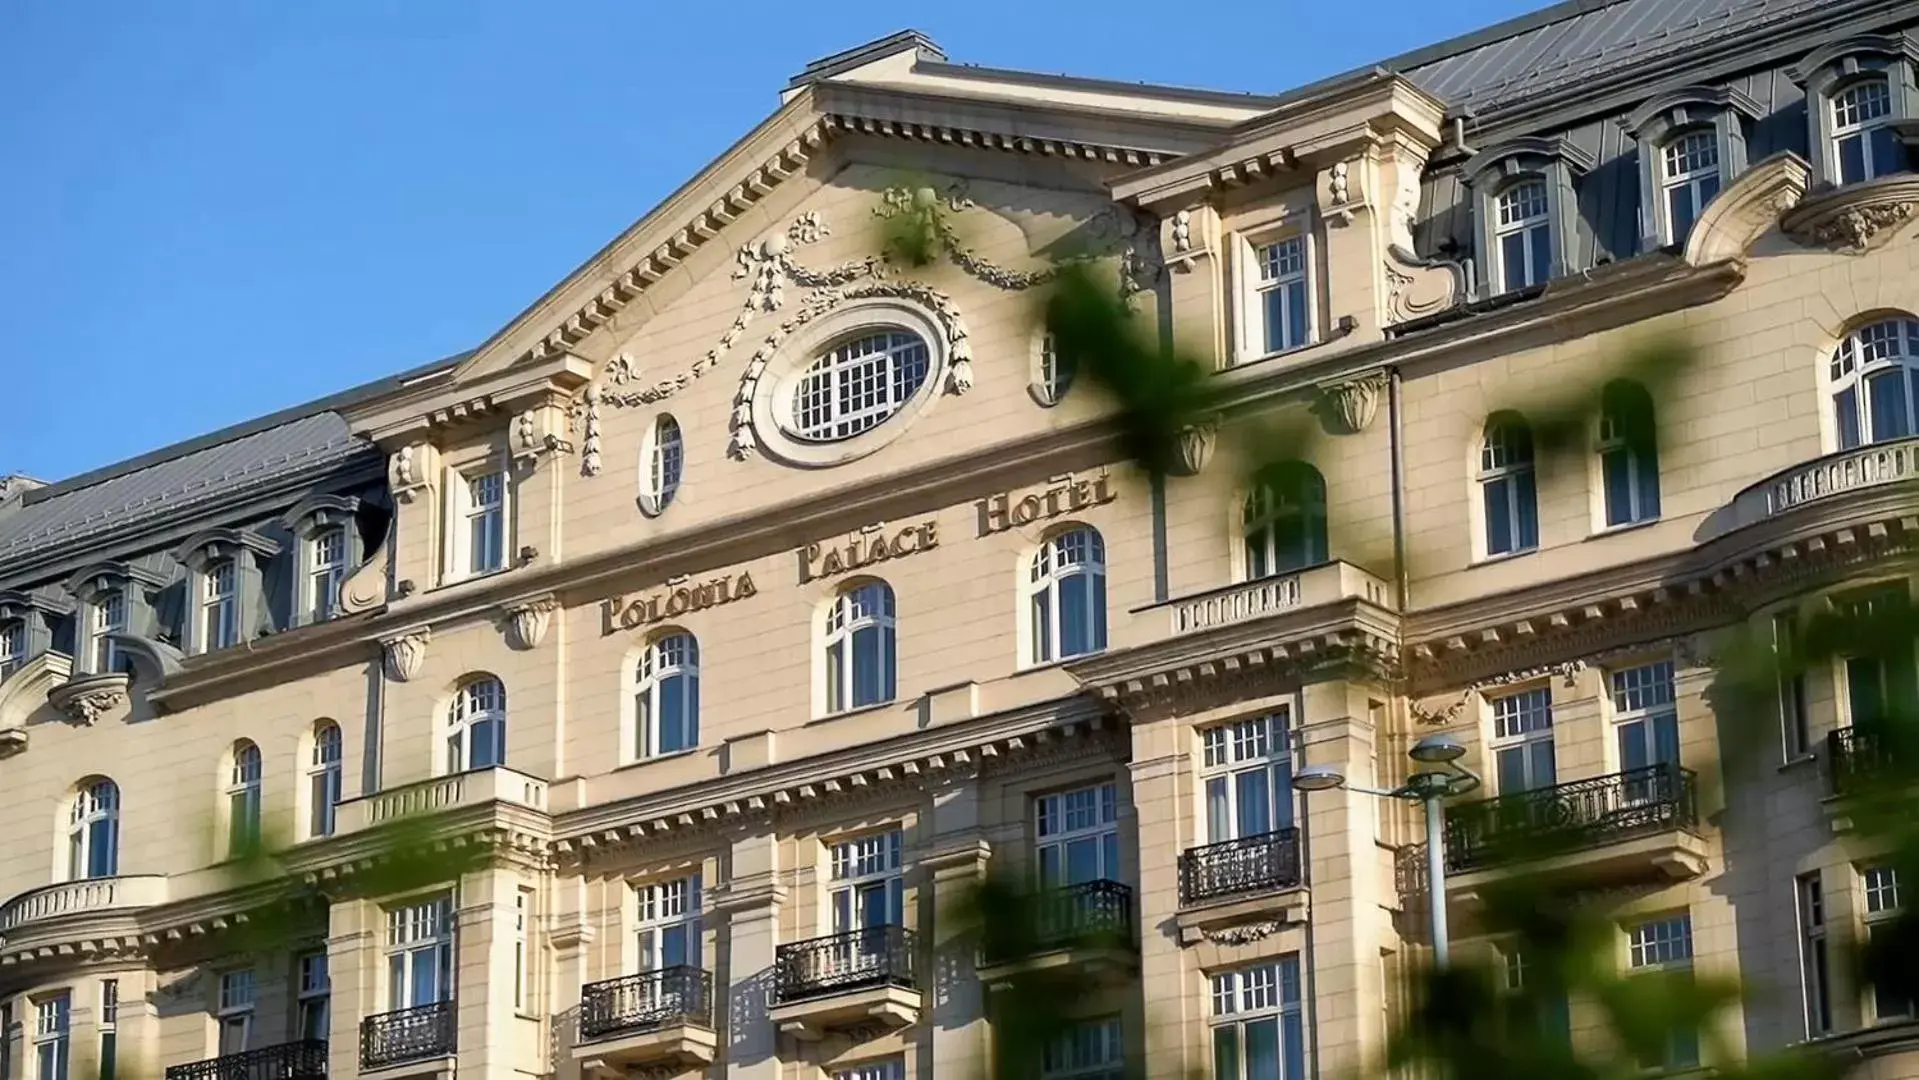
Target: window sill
[(1049, 665), (1504, 556), (672, 755), (1798, 760), (1261, 358), (1630, 526), (858, 710), (464, 579)]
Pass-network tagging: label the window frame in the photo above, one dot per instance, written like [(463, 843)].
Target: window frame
[(662, 464), (651, 673), (1236, 1001), (1637, 458), (1831, 70), (1795, 723), (658, 907), (827, 371), (1504, 465), (238, 994), (52, 1036), (858, 863), (245, 777), (472, 708), (1864, 357), (1815, 968), (1522, 737), (1052, 377), (1644, 696), (1880, 902), (869, 604), (1554, 162), (1252, 285), (13, 646), (1054, 832), (1644, 954), (1104, 1037), (313, 997), (325, 573), (107, 1026), (106, 616), (1043, 602), (421, 927), (463, 514), (1291, 490), (218, 607), (1233, 750), (87, 809), (886, 1068), (325, 779), (1720, 112), (1533, 227)]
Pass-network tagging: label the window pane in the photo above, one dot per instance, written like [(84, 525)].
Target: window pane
[(1888, 156), (1219, 820), (1886, 394), (1544, 772), (866, 666), (1616, 467), (1075, 628), (1679, 211), (1262, 1049), (1226, 1052), (1499, 520), (1526, 510), (1646, 461), (1099, 611), (1845, 407), (1255, 815), (1043, 626), (1512, 769), (1296, 314), (1541, 239), (1512, 261), (1850, 153)]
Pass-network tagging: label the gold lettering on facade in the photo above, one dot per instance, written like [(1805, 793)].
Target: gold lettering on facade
[(623, 613), (817, 560), (998, 513)]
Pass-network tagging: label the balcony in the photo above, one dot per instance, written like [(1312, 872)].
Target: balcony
[(1854, 757), (1266, 596), (841, 980), (1084, 926), (71, 898), (1636, 825), (443, 793), (1822, 478), (1251, 879), (659, 1018), (409, 1042), (303, 1060)]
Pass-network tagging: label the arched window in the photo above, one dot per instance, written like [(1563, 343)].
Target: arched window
[(1052, 373), (476, 736), (93, 831), (1508, 496), (859, 384), (323, 779), (1689, 176), (243, 799), (1628, 454), (1864, 143), (1284, 520), (1066, 596), (1523, 231), (666, 708), (662, 457), (1872, 383), (861, 660)]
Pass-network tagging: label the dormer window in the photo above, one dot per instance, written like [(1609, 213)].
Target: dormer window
[(1864, 144), (115, 598), (1857, 92), (27, 621), (219, 606), (326, 569), (1525, 208), (13, 647), (1525, 236), (106, 616), (1690, 178), (327, 545)]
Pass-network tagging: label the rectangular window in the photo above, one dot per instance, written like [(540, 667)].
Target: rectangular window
[(1556, 1010), (236, 1010), (1881, 885), (1258, 1025), (867, 889), (522, 914), (51, 1023), (486, 522), (1077, 833), (325, 571), (13, 647), (1815, 973), (1090, 1050), (419, 953), (109, 617), (1864, 144), (1523, 231), (1523, 740), (1795, 733), (1282, 295), (1691, 179), (668, 921), (1872, 682), (893, 1068), (1629, 475), (316, 993), (1647, 725), (109, 1028), (1665, 944), (219, 606), (1246, 773)]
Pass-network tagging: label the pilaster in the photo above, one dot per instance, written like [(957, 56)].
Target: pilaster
[(955, 863), (1163, 798), (750, 903)]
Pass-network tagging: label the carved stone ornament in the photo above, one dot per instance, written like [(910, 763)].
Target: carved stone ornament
[(527, 621), (1196, 442), (1431, 717), (1243, 934), (1183, 232), (1855, 219), (405, 653), (1356, 401), (405, 471), (86, 698), (588, 411)]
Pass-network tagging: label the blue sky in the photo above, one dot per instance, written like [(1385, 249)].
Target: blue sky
[(210, 211)]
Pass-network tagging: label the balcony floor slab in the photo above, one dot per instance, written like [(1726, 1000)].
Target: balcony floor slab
[(812, 1018), (1210, 917)]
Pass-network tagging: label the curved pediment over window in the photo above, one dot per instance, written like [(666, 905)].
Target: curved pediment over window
[(319, 511), (222, 543), (1747, 209), (24, 693)]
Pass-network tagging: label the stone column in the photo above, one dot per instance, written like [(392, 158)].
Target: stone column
[(955, 859), (749, 903)]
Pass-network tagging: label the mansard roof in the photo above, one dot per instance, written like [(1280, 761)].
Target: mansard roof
[(191, 477)]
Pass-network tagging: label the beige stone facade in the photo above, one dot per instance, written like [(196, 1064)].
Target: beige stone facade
[(881, 715)]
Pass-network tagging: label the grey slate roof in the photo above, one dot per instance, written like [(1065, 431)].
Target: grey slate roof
[(1577, 42)]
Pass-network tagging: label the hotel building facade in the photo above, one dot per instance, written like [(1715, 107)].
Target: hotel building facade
[(751, 595)]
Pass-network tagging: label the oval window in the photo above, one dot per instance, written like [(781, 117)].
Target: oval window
[(858, 384), (662, 458)]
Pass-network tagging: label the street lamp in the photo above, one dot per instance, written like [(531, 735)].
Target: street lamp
[(1426, 787)]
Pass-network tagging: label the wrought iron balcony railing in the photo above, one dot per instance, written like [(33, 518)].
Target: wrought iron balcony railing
[(1235, 867), (1575, 815), (303, 1060), (646, 1002), (1854, 754), (838, 963), (422, 1031), (1091, 912)]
